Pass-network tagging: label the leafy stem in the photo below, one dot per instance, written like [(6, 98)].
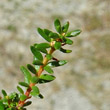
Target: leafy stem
[(56, 41)]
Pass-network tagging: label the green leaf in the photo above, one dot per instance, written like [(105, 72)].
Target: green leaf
[(36, 61), (13, 96), (31, 68), (47, 32), (36, 53), (57, 45), (48, 69), (4, 93), (68, 41), (42, 33), (41, 96), (20, 90), (57, 63), (27, 103), (43, 45), (54, 35), (24, 84), (44, 78), (65, 51), (35, 91), (73, 33), (43, 50), (58, 26), (65, 27), (23, 97), (2, 107), (34, 79), (27, 75), (49, 57)]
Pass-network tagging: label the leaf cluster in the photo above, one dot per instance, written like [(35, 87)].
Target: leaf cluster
[(43, 60)]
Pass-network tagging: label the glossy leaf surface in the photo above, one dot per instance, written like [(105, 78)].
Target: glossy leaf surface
[(49, 57), (27, 103), (20, 90), (57, 45), (36, 53), (73, 33), (42, 33), (34, 79), (35, 91), (68, 41), (36, 61), (23, 84), (27, 75), (65, 50), (48, 69), (31, 68), (53, 35), (65, 27), (57, 63), (4, 93), (23, 97), (44, 78), (57, 26)]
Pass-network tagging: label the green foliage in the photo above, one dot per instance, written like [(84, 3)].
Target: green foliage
[(73, 33), (57, 25), (57, 63), (31, 68), (36, 53), (57, 45), (44, 78), (43, 59), (65, 27), (35, 91), (24, 84), (42, 33), (34, 79), (20, 90), (23, 97), (48, 69), (27, 75), (4, 93)]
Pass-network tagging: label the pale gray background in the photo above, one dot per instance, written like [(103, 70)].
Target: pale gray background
[(82, 84)]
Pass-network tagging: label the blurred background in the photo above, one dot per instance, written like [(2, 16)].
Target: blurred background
[(83, 83)]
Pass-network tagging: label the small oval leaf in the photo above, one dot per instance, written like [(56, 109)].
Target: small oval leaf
[(31, 68), (23, 97), (26, 73), (69, 41), (4, 93), (44, 78), (36, 61), (65, 27), (73, 33), (54, 35), (36, 53), (24, 84), (48, 69), (57, 63), (27, 103), (35, 91), (58, 26), (49, 57), (65, 50), (34, 79), (57, 45), (20, 90), (42, 33)]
